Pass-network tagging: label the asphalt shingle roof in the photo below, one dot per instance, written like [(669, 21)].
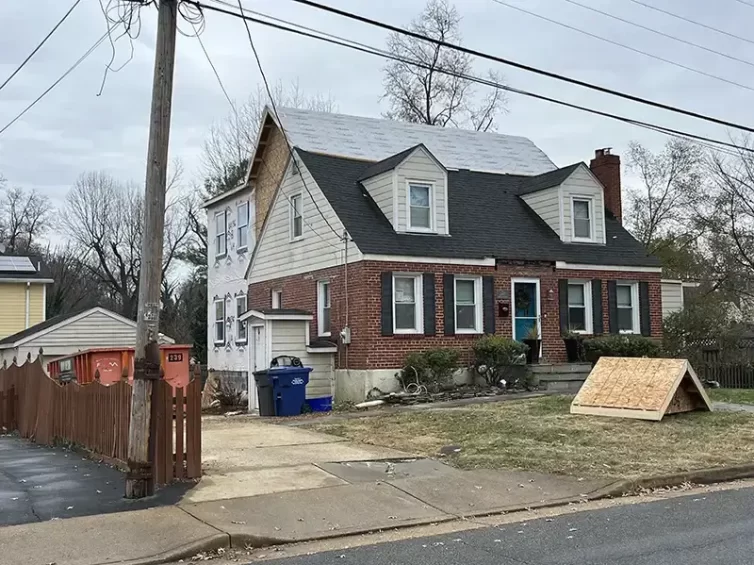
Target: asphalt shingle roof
[(487, 219)]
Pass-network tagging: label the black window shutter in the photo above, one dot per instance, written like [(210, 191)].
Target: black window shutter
[(449, 302), (387, 303), (644, 319), (598, 325), (428, 290), (488, 300), (612, 305), (563, 304)]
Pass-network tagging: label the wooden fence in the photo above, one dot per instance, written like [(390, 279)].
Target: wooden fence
[(96, 418), (731, 365)]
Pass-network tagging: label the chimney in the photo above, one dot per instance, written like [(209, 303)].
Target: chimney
[(606, 167)]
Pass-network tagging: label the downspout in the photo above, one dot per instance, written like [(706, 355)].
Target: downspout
[(345, 290), (28, 287)]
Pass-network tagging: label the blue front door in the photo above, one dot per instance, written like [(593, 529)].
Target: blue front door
[(525, 309)]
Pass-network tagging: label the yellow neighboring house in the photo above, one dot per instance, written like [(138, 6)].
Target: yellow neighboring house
[(23, 293)]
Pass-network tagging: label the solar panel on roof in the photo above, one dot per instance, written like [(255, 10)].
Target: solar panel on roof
[(17, 264)]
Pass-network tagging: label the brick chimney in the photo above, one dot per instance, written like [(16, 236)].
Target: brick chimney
[(606, 167)]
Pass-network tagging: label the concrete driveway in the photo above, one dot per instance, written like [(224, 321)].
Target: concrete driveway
[(39, 483), (247, 456)]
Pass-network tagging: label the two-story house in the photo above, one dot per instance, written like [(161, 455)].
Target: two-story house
[(230, 241), (378, 238), (23, 293)]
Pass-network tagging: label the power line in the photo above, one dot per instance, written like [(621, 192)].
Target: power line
[(38, 47), (622, 45), (522, 66), (214, 70), (54, 84), (689, 20), (745, 3), (660, 33), (361, 47), (280, 122)]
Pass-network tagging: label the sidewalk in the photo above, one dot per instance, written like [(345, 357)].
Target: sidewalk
[(373, 495)]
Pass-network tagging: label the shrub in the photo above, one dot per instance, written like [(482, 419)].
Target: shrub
[(230, 394), (620, 346), (495, 355), (432, 368)]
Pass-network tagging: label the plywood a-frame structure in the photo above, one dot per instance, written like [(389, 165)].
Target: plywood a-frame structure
[(640, 388)]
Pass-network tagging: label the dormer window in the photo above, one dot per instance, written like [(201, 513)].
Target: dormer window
[(583, 218), (420, 199)]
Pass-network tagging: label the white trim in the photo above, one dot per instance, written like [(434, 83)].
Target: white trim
[(279, 294), (321, 349), (239, 320), (635, 314), (478, 322), (215, 321), (395, 198), (291, 217), (432, 206), (617, 268), (588, 316), (224, 214), (538, 291), (590, 201), (418, 304), (485, 262), (224, 195), (267, 317), (671, 281), (246, 203), (321, 295), (44, 302), (16, 280)]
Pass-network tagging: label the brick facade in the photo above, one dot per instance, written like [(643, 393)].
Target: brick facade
[(369, 349)]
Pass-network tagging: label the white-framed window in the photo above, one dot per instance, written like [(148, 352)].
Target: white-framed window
[(323, 308), (221, 233), (241, 336), (468, 300), (277, 299), (242, 223), (627, 303), (297, 216), (582, 214), (220, 320), (580, 307), (420, 206), (407, 304)]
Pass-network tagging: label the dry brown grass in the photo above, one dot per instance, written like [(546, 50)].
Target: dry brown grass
[(540, 435)]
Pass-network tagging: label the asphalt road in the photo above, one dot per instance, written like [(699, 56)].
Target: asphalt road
[(39, 483), (711, 528)]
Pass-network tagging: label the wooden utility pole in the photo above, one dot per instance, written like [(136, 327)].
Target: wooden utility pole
[(140, 482)]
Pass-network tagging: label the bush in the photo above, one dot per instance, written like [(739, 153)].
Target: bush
[(620, 346), (432, 368), (495, 355), (230, 395)]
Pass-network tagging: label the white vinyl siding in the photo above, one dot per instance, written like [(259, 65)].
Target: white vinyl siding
[(289, 338), (582, 184), (277, 256), (672, 297), (419, 167), (380, 188), (546, 203)]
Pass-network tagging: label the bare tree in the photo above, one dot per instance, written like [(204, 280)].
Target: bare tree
[(73, 287), (434, 91), (104, 220), (226, 151), (25, 216), (672, 203)]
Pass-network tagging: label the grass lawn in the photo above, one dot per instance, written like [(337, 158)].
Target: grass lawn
[(540, 435), (734, 395)]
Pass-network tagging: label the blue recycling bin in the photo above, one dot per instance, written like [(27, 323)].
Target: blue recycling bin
[(289, 389)]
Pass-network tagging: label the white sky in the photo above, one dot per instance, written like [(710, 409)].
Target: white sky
[(73, 130)]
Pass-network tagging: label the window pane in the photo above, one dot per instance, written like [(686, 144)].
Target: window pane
[(326, 319), (581, 209), (420, 218), (326, 294), (625, 319), (623, 293), (297, 226), (219, 310), (582, 228), (296, 205), (576, 319), (404, 290), (465, 317), (405, 316), (220, 223), (420, 196), (576, 295), (242, 237), (464, 292)]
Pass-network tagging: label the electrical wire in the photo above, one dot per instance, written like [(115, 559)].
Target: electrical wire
[(39, 46), (745, 3), (694, 22), (280, 122), (58, 81), (517, 65), (622, 45), (361, 47), (660, 33)]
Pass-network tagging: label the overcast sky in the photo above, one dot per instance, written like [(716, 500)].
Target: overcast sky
[(73, 130)]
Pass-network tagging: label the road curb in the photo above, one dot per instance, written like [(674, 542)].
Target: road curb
[(186, 551)]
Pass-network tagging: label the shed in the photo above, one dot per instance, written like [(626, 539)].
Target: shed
[(281, 331), (69, 333)]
